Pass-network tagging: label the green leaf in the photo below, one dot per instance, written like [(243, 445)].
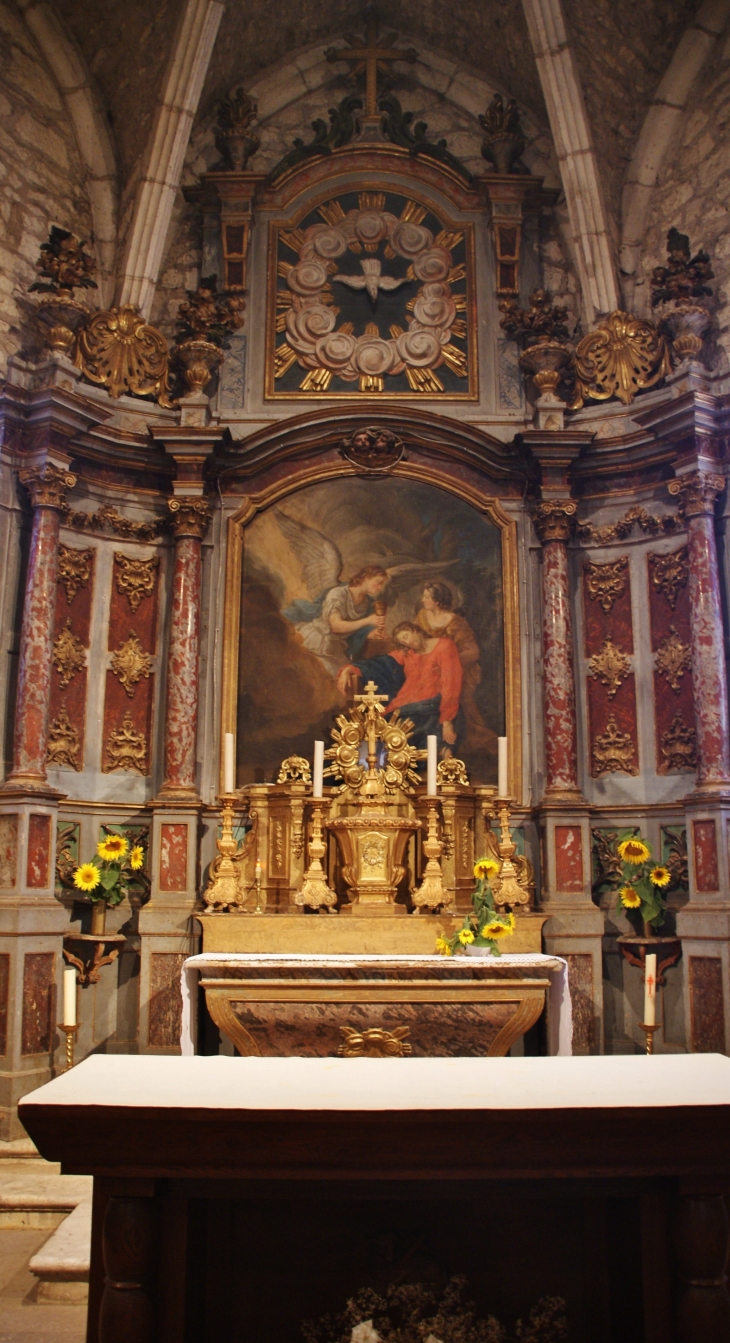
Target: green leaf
[(109, 880)]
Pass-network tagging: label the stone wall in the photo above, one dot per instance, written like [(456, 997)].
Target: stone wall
[(41, 173)]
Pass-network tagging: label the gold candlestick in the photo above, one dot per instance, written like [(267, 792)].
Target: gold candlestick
[(510, 892), (223, 891), (315, 893), (430, 894), (649, 1032), (70, 1032), (258, 909)]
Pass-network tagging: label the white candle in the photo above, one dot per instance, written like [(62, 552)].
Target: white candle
[(69, 995), (431, 765), (258, 869), (228, 781), (502, 769), (650, 990), (318, 773)]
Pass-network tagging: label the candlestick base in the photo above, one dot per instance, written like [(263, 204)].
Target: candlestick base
[(70, 1032), (431, 895), (315, 893), (649, 1032)]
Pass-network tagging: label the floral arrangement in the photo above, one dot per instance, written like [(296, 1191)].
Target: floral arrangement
[(111, 874), (544, 320), (64, 264), (484, 925), (209, 314), (685, 276), (642, 881)]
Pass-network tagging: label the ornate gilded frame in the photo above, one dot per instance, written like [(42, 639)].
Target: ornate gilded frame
[(312, 474)]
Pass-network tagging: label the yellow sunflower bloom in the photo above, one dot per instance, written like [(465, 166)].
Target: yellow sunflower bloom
[(630, 898), (443, 947), (466, 937), (660, 876), (497, 929), (486, 867), (634, 851), (86, 877), (136, 858), (112, 848)]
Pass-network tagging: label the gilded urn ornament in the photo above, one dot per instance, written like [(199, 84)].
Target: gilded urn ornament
[(63, 265), (205, 322), (678, 289)]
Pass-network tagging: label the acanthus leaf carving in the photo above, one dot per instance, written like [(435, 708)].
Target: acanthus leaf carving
[(609, 666), (617, 531), (696, 492), (63, 742), (624, 355), (130, 663), (135, 578), (69, 654), (673, 659), (606, 582), (122, 352), (74, 570), (555, 520), (613, 751), (670, 573), (46, 484), (126, 748), (679, 745)]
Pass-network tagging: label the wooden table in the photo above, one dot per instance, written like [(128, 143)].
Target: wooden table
[(235, 1197)]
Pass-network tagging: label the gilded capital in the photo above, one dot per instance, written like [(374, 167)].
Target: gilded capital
[(697, 492), (189, 517), (555, 520), (47, 484)]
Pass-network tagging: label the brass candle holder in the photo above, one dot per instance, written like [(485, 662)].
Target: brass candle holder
[(430, 894), (224, 891), (70, 1033), (315, 893), (649, 1032)]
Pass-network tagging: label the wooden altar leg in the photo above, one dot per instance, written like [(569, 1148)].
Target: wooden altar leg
[(129, 1247), (700, 1253)]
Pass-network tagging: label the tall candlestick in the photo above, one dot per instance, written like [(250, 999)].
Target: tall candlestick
[(69, 995), (502, 769), (318, 772), (228, 780), (431, 765), (650, 990)]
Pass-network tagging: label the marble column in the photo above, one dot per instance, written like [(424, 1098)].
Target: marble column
[(697, 492), (189, 517), (554, 523), (46, 484)]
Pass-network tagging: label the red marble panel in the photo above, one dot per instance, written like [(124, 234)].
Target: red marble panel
[(622, 709), (173, 857), (615, 623), (38, 869), (39, 994), (78, 609), (4, 1000), (707, 876), (76, 616), (165, 999), (8, 851), (125, 620), (669, 612), (608, 617), (117, 704), (580, 982), (706, 1005), (569, 858)]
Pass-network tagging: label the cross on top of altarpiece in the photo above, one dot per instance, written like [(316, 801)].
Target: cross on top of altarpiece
[(371, 58)]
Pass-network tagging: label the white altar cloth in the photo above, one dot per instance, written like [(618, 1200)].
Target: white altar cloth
[(560, 1016)]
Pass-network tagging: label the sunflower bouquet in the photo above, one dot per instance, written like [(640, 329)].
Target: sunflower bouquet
[(484, 925), (642, 881), (112, 871)]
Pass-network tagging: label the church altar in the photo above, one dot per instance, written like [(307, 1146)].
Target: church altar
[(237, 1197), (323, 1005)]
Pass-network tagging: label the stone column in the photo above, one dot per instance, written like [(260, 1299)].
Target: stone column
[(697, 492), (554, 523), (190, 518), (46, 484)]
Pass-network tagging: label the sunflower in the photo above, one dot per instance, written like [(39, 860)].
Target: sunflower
[(634, 851), (630, 898), (486, 867), (136, 858), (660, 876), (443, 947), (86, 877), (466, 936), (112, 848), (496, 928)]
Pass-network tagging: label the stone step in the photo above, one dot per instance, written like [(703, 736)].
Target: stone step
[(62, 1264), (31, 1198)]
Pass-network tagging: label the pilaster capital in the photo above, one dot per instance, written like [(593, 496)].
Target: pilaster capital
[(189, 516), (697, 492), (47, 484), (555, 520)]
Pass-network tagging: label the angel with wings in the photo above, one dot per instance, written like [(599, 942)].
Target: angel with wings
[(337, 619)]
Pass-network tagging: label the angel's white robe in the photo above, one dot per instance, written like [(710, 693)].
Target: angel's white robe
[(317, 636)]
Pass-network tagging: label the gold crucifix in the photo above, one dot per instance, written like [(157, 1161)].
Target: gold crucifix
[(371, 58)]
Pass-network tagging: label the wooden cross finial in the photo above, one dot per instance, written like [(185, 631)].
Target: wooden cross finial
[(371, 58)]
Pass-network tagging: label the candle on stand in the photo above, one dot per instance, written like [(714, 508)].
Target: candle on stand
[(650, 990), (318, 771), (228, 763), (431, 765), (259, 870), (69, 995), (502, 770)]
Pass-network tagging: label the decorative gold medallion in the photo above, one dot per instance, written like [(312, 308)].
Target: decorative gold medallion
[(122, 352), (452, 771), (613, 751), (678, 746), (673, 659), (130, 663), (126, 749), (69, 655), (74, 570), (295, 767), (63, 743), (135, 578), (623, 356), (670, 573), (609, 666), (375, 1043), (606, 582)]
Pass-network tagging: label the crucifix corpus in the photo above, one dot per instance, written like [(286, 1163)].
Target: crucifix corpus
[(371, 58)]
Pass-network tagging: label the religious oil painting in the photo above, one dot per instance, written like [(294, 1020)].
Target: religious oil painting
[(371, 293), (350, 581)]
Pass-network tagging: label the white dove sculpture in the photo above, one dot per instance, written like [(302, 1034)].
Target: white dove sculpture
[(371, 279)]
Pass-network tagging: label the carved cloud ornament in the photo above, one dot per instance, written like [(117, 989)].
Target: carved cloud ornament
[(613, 751), (673, 659), (135, 578), (670, 573), (609, 666), (69, 655), (130, 663), (74, 570), (606, 582)]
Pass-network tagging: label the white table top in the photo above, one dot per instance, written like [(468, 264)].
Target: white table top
[(275, 959)]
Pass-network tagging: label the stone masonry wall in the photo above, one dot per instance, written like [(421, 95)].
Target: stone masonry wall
[(41, 174)]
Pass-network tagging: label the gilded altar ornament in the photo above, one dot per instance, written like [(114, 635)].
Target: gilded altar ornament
[(189, 517), (676, 289), (673, 659), (63, 265), (135, 578), (315, 892), (126, 748), (555, 520), (119, 350), (130, 663), (542, 331), (613, 751), (670, 573), (696, 492), (205, 323), (431, 895), (524, 872), (452, 771), (63, 743), (107, 520), (678, 746), (293, 768), (47, 484), (375, 1043), (666, 524), (227, 888), (605, 583), (69, 655), (622, 356), (74, 570), (373, 449), (609, 666)]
